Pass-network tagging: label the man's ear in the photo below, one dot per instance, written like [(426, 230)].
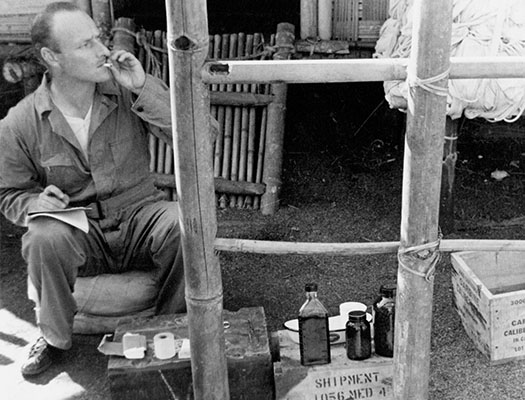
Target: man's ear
[(49, 56)]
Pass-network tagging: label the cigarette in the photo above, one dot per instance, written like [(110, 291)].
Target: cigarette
[(108, 64)]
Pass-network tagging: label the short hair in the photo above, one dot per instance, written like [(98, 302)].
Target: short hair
[(42, 27)]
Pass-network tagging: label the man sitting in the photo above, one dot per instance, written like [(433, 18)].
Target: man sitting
[(80, 140)]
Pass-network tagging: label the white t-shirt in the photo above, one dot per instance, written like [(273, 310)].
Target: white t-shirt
[(80, 127)]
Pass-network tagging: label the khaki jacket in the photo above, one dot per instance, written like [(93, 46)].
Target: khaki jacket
[(38, 147)]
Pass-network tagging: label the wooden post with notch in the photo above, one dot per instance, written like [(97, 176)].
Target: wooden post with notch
[(419, 244), (188, 42), (273, 152)]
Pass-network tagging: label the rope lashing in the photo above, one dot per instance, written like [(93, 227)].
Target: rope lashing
[(428, 84), (425, 251)]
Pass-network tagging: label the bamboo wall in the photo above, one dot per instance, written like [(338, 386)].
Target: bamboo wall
[(240, 144)]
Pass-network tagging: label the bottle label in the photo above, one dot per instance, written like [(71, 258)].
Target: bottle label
[(314, 341)]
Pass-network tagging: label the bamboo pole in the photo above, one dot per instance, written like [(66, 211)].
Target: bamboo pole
[(308, 16), (102, 15), (243, 146), (353, 70), (260, 155), (446, 213), (217, 162), (354, 249), (275, 135), (228, 126), (257, 39), (188, 43), (124, 40), (237, 113), (426, 113)]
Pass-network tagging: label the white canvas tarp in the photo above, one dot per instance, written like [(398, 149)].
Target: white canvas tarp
[(480, 28)]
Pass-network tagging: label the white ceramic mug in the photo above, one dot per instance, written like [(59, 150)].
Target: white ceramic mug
[(345, 308)]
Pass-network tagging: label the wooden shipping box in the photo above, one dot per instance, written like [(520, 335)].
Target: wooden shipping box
[(250, 371), (342, 379), (489, 295)]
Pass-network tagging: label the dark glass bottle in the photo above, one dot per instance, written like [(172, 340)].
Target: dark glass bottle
[(358, 338), (314, 334), (384, 319)]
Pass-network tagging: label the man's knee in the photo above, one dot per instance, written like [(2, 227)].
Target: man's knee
[(48, 240)]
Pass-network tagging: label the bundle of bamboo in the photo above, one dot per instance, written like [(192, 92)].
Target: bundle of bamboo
[(241, 112), (239, 147)]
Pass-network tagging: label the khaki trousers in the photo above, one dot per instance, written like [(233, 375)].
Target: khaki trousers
[(145, 237)]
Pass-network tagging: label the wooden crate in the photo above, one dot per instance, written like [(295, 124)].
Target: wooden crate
[(248, 356), (341, 379), (489, 295)]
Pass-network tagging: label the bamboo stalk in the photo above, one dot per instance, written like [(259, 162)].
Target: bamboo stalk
[(308, 15), (217, 163), (234, 160), (354, 70), (188, 34), (420, 200), (260, 155), (228, 116), (257, 41), (355, 249), (275, 134), (123, 40), (251, 48), (142, 51), (161, 145), (245, 51), (102, 15)]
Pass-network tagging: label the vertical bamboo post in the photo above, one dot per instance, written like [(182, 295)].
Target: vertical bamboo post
[(187, 22), (103, 16), (273, 156), (308, 14), (450, 155), (124, 40), (418, 252)]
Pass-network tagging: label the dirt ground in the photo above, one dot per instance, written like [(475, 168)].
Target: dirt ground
[(342, 177)]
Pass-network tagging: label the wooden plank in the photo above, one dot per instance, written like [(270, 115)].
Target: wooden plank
[(240, 99), (493, 319), (221, 185), (188, 48), (353, 70)]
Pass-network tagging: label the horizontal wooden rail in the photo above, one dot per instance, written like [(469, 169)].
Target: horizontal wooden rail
[(240, 99), (221, 185), (352, 70), (352, 249)]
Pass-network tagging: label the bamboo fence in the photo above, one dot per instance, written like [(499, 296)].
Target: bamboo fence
[(241, 111), (356, 21)]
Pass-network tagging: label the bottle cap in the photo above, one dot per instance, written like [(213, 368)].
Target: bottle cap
[(357, 316), (310, 287), (388, 290)]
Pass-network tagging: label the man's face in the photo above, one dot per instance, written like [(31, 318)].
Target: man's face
[(81, 54)]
